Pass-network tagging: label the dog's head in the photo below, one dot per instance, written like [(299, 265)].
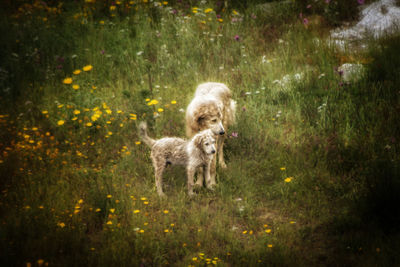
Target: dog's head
[(205, 141), (208, 115)]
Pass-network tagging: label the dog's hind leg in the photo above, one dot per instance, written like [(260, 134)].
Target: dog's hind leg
[(158, 175)]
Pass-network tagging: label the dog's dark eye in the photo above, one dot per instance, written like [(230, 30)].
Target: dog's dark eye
[(214, 120), (207, 144)]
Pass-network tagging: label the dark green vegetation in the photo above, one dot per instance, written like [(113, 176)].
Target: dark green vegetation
[(313, 162)]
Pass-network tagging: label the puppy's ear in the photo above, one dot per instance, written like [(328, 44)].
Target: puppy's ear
[(198, 140), (200, 119)]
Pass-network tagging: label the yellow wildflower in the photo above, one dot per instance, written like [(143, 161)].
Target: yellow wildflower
[(208, 10), (153, 102), (76, 72), (76, 112), (60, 122), (67, 80), (87, 68), (289, 179), (75, 87)]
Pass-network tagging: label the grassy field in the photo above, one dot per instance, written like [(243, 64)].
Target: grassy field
[(313, 161)]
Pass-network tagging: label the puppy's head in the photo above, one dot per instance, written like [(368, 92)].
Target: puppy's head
[(205, 141), (209, 116)]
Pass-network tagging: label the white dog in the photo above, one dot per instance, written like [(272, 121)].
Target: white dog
[(211, 108), (198, 152)]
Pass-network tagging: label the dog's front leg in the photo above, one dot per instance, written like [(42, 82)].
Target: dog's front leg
[(200, 177), (213, 169), (210, 183), (220, 143), (190, 178)]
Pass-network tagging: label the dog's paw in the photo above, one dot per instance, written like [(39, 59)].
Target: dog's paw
[(162, 195), (222, 165), (192, 194), (197, 187), (211, 187)]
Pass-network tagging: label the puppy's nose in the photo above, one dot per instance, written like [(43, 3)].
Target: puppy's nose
[(221, 133), (212, 151)]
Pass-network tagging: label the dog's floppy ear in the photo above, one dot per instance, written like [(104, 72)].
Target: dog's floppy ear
[(200, 119), (198, 140)]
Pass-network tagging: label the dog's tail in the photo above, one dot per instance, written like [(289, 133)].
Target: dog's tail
[(143, 135)]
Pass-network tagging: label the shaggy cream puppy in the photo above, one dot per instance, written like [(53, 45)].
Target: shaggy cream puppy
[(198, 152), (211, 108)]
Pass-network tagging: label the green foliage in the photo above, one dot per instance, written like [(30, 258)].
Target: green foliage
[(313, 168)]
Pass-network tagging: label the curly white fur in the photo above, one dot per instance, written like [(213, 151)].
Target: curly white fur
[(211, 108), (197, 152)]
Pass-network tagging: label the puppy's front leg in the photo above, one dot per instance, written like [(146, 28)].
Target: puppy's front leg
[(200, 177), (190, 178), (210, 183)]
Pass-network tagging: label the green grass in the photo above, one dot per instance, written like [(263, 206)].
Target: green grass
[(75, 193)]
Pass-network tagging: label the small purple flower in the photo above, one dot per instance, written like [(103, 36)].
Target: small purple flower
[(308, 6), (237, 38), (305, 21), (102, 52), (60, 59), (327, 1), (253, 16), (244, 108), (234, 134), (361, 2)]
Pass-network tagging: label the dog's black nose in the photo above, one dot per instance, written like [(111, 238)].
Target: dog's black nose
[(221, 133), (212, 151)]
